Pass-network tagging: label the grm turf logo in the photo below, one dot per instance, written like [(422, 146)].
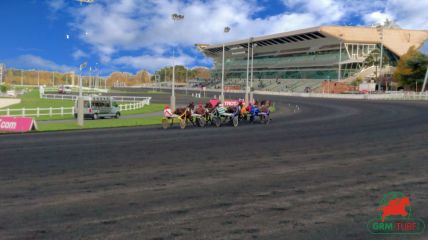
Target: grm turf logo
[(395, 217)]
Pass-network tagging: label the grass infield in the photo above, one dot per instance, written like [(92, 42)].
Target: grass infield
[(102, 123)]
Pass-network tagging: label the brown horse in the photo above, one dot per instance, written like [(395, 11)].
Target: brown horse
[(186, 113)]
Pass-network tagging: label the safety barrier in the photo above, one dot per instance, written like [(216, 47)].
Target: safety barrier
[(37, 112)]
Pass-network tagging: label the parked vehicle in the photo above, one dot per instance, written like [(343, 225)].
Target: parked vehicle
[(96, 107), (65, 89)]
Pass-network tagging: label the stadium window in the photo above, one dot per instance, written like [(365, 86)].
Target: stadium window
[(299, 38), (319, 34), (292, 39), (271, 42), (305, 37), (284, 39), (312, 36), (280, 41)]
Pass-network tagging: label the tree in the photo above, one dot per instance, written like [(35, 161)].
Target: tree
[(200, 73), (411, 68)]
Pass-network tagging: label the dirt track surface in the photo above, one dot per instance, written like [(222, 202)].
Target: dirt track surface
[(314, 174)]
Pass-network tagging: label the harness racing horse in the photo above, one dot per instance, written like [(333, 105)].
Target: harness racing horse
[(186, 113)]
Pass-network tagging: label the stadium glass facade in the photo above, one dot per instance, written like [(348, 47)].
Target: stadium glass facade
[(316, 54)]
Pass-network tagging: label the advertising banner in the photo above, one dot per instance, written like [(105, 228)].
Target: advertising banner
[(16, 124)]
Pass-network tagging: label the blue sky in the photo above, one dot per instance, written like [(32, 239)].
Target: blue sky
[(129, 35)]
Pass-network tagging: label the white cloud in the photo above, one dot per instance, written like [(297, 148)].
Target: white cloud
[(130, 25), (117, 29), (408, 14), (376, 17), (151, 62), (56, 5), (31, 61), (78, 54)]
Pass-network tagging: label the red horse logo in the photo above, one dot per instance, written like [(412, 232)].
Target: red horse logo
[(395, 207)]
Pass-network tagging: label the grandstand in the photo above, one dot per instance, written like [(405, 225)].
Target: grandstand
[(298, 60)]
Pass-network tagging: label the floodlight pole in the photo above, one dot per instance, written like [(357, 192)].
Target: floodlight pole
[(425, 81), (252, 72), (339, 75), (380, 31), (187, 83), (175, 18), (248, 70), (80, 116), (226, 30)]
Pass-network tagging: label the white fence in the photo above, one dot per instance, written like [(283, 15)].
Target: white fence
[(115, 98), (59, 97), (38, 112), (135, 103), (76, 89), (131, 99)]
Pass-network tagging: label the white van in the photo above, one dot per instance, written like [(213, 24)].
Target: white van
[(65, 89), (96, 107)]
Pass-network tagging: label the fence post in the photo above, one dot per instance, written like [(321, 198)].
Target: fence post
[(62, 111), (50, 112), (23, 112), (38, 112), (8, 112)]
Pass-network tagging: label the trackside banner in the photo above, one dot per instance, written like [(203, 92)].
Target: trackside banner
[(16, 124)]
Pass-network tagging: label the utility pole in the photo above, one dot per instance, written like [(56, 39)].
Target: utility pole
[(425, 81), (80, 116), (175, 18), (187, 84), (226, 30), (380, 29), (248, 71), (252, 72), (22, 77), (339, 74)]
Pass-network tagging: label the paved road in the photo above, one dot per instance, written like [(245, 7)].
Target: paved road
[(314, 174)]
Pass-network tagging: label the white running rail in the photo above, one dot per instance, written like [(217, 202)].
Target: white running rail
[(37, 112)]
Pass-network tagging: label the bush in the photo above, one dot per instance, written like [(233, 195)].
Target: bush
[(3, 88)]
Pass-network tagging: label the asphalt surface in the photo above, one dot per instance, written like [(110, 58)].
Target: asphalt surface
[(313, 173)]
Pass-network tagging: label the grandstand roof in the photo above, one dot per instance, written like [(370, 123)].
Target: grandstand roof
[(396, 40)]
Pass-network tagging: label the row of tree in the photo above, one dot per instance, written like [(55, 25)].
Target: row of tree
[(182, 74), (33, 77)]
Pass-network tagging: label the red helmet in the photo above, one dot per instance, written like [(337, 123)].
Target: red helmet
[(166, 107)]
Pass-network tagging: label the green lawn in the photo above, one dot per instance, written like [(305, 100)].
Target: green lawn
[(103, 123), (33, 100), (154, 107)]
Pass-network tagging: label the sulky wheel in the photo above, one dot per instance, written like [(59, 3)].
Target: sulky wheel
[(182, 123), (235, 121), (217, 121), (201, 122), (165, 123)]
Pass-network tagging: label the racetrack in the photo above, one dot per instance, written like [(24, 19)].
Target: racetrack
[(317, 173)]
